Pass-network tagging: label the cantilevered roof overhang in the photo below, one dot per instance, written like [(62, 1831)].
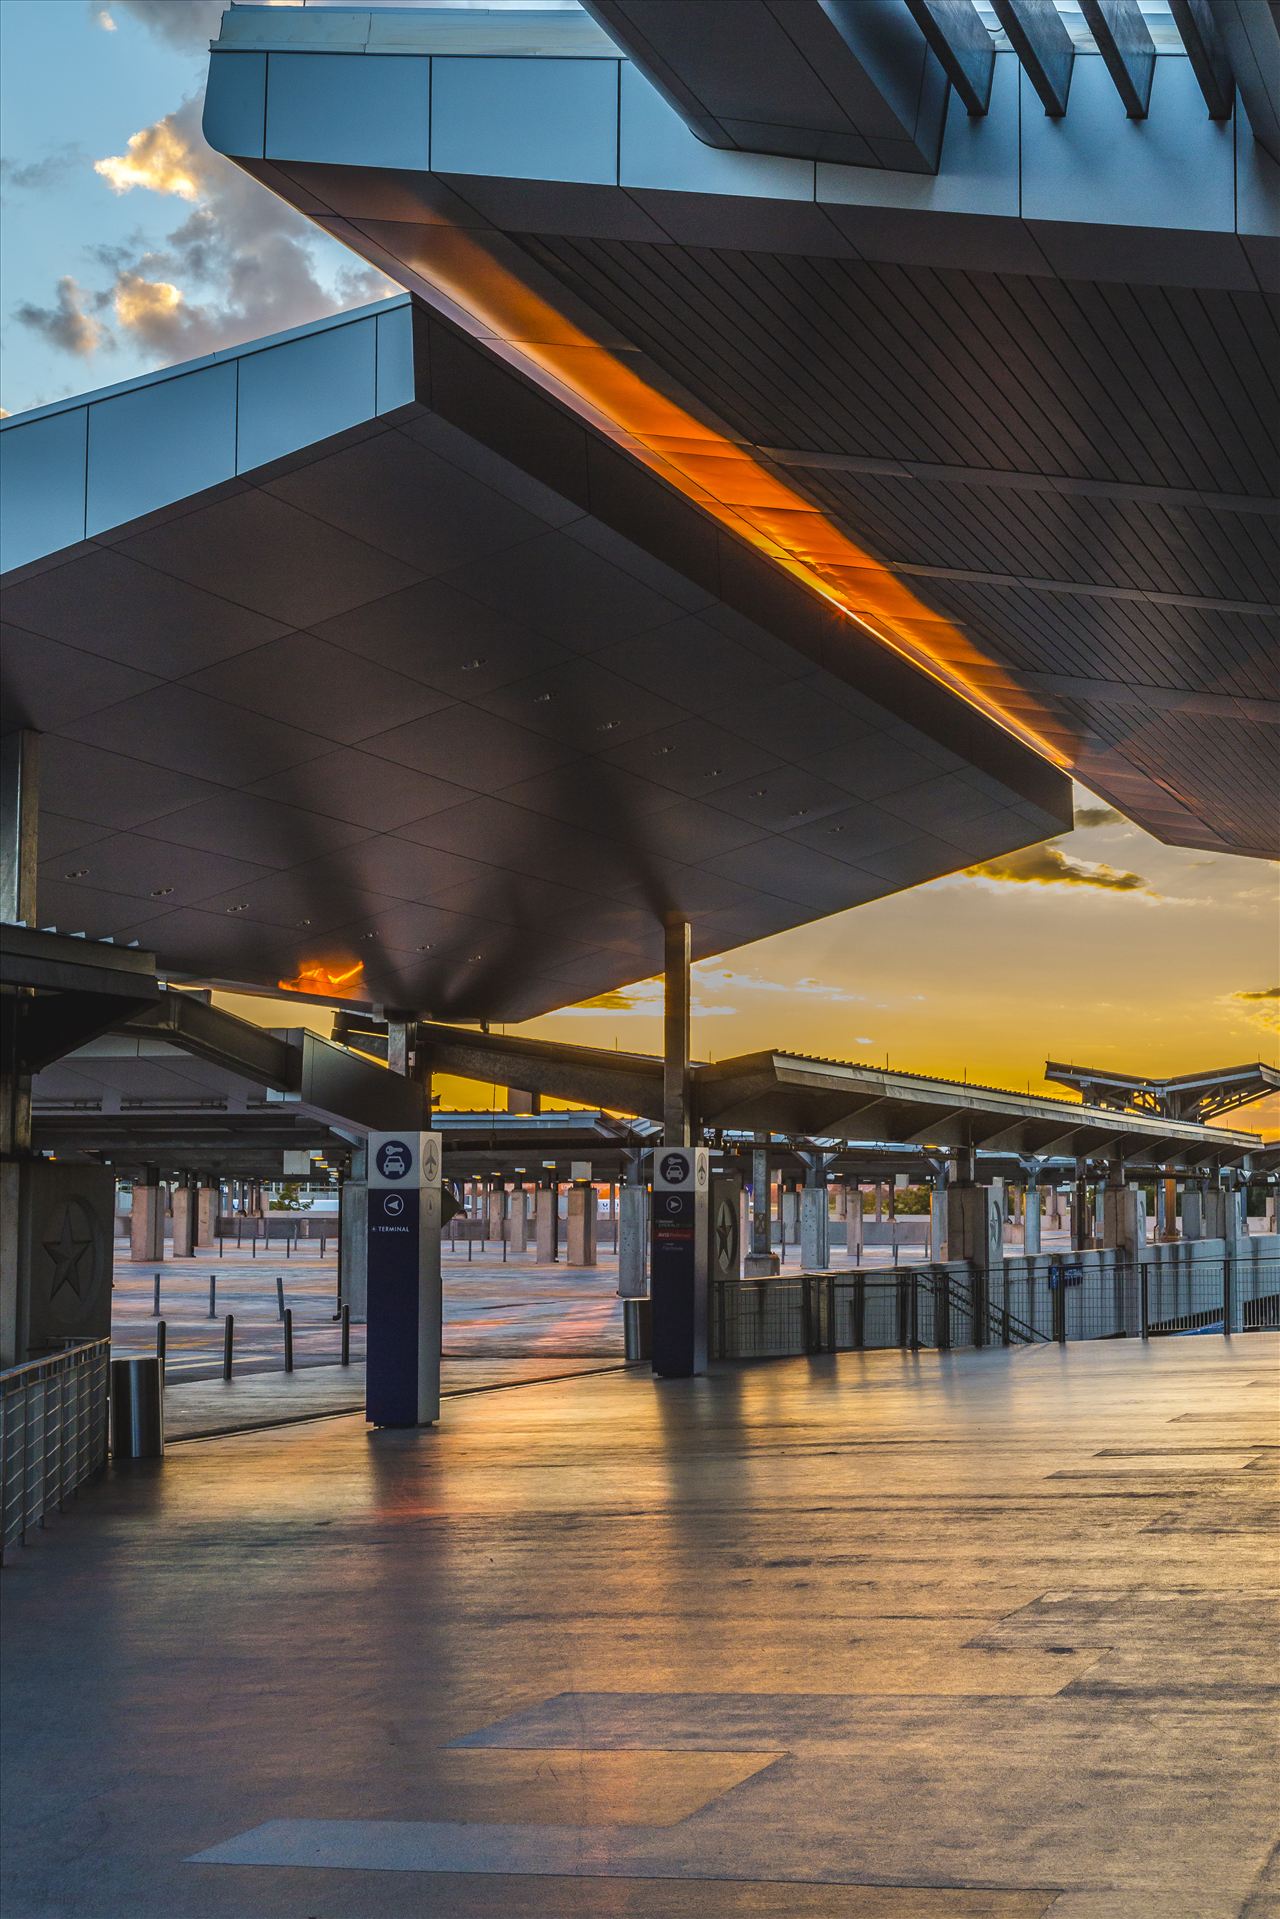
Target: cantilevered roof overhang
[(362, 663), (1016, 414)]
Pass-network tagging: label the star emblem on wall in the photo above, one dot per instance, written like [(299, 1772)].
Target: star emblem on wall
[(67, 1252)]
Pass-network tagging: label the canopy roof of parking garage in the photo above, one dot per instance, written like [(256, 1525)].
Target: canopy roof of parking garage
[(363, 665), (972, 336), (787, 1095)]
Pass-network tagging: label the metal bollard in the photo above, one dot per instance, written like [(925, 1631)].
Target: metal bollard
[(346, 1336), (279, 1297), (636, 1324), (323, 1244), (228, 1334), (155, 1302), (469, 1244), (253, 1241), (288, 1339), (288, 1245), (137, 1409), (162, 1341), (213, 1296)]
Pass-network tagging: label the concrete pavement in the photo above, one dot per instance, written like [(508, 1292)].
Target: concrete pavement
[(880, 1636)]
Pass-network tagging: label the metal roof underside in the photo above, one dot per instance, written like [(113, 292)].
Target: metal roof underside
[(471, 721), (1038, 390)]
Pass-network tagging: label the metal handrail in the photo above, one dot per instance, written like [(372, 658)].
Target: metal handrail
[(53, 1433)]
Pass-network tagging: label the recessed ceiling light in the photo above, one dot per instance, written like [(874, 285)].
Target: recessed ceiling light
[(159, 892), (80, 873), (426, 948), (835, 829), (304, 922), (542, 699), (608, 726), (470, 666), (663, 749), (242, 908), (802, 812), (758, 792)]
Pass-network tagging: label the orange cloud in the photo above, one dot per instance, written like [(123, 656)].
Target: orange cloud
[(160, 158), (1050, 866)]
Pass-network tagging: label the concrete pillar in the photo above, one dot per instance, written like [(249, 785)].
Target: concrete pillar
[(1124, 1228), (520, 1102), (853, 1225), (19, 794), (208, 1213), (497, 1204), (975, 1233), (1081, 1212), (760, 1232), (184, 1220), (938, 1216), (146, 1221), (518, 1221), (1193, 1210), (580, 1236), (546, 1230), (815, 1227), (879, 1201), (676, 1117), (353, 1238), (633, 1241), (1031, 1218)]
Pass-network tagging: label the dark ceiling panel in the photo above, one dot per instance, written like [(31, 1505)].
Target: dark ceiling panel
[(481, 792)]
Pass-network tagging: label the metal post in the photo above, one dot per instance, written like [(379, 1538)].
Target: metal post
[(806, 1313), (213, 1296), (859, 1313), (915, 1312), (155, 1301), (346, 1336), (676, 1118), (288, 1339), (228, 1334), (1058, 1311), (831, 1312), (279, 1297), (942, 1312), (162, 1340)]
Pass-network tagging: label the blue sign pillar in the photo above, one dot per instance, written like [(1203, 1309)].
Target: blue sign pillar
[(402, 1374), (679, 1260)]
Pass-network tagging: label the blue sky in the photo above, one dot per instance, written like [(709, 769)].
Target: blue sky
[(81, 257)]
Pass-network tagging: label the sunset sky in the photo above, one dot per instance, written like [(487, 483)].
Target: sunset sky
[(129, 246)]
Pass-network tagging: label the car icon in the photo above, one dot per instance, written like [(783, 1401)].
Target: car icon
[(393, 1160)]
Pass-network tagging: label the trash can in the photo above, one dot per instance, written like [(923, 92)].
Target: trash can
[(137, 1409), (636, 1321)]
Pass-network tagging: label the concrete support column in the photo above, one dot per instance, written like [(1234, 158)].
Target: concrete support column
[(19, 800), (184, 1220), (938, 1216), (1031, 1218), (518, 1221), (1193, 1210), (677, 1121), (497, 1204), (974, 1233), (208, 1214), (521, 1102), (853, 1225), (1124, 1229), (815, 1224), (760, 1229), (546, 1228), (146, 1220), (353, 1237), (580, 1237), (633, 1236), (1081, 1212)]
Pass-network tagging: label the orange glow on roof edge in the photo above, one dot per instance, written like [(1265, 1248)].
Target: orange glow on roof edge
[(726, 479)]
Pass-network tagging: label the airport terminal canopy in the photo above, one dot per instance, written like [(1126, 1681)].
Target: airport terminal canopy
[(958, 313), (362, 664)]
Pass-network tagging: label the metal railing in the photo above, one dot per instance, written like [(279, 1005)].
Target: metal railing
[(837, 1312), (53, 1434), (1026, 1301)]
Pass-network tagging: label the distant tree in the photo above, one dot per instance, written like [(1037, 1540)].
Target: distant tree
[(291, 1199)]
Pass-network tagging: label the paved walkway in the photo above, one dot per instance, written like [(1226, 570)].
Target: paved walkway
[(492, 1310), (197, 1409), (878, 1636)]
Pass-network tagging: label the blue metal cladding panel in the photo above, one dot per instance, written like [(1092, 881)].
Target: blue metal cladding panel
[(979, 168), (235, 103), (1095, 165), (1257, 184), (301, 392), (350, 109), (41, 487), (529, 119), (160, 443), (395, 360), (657, 150)]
